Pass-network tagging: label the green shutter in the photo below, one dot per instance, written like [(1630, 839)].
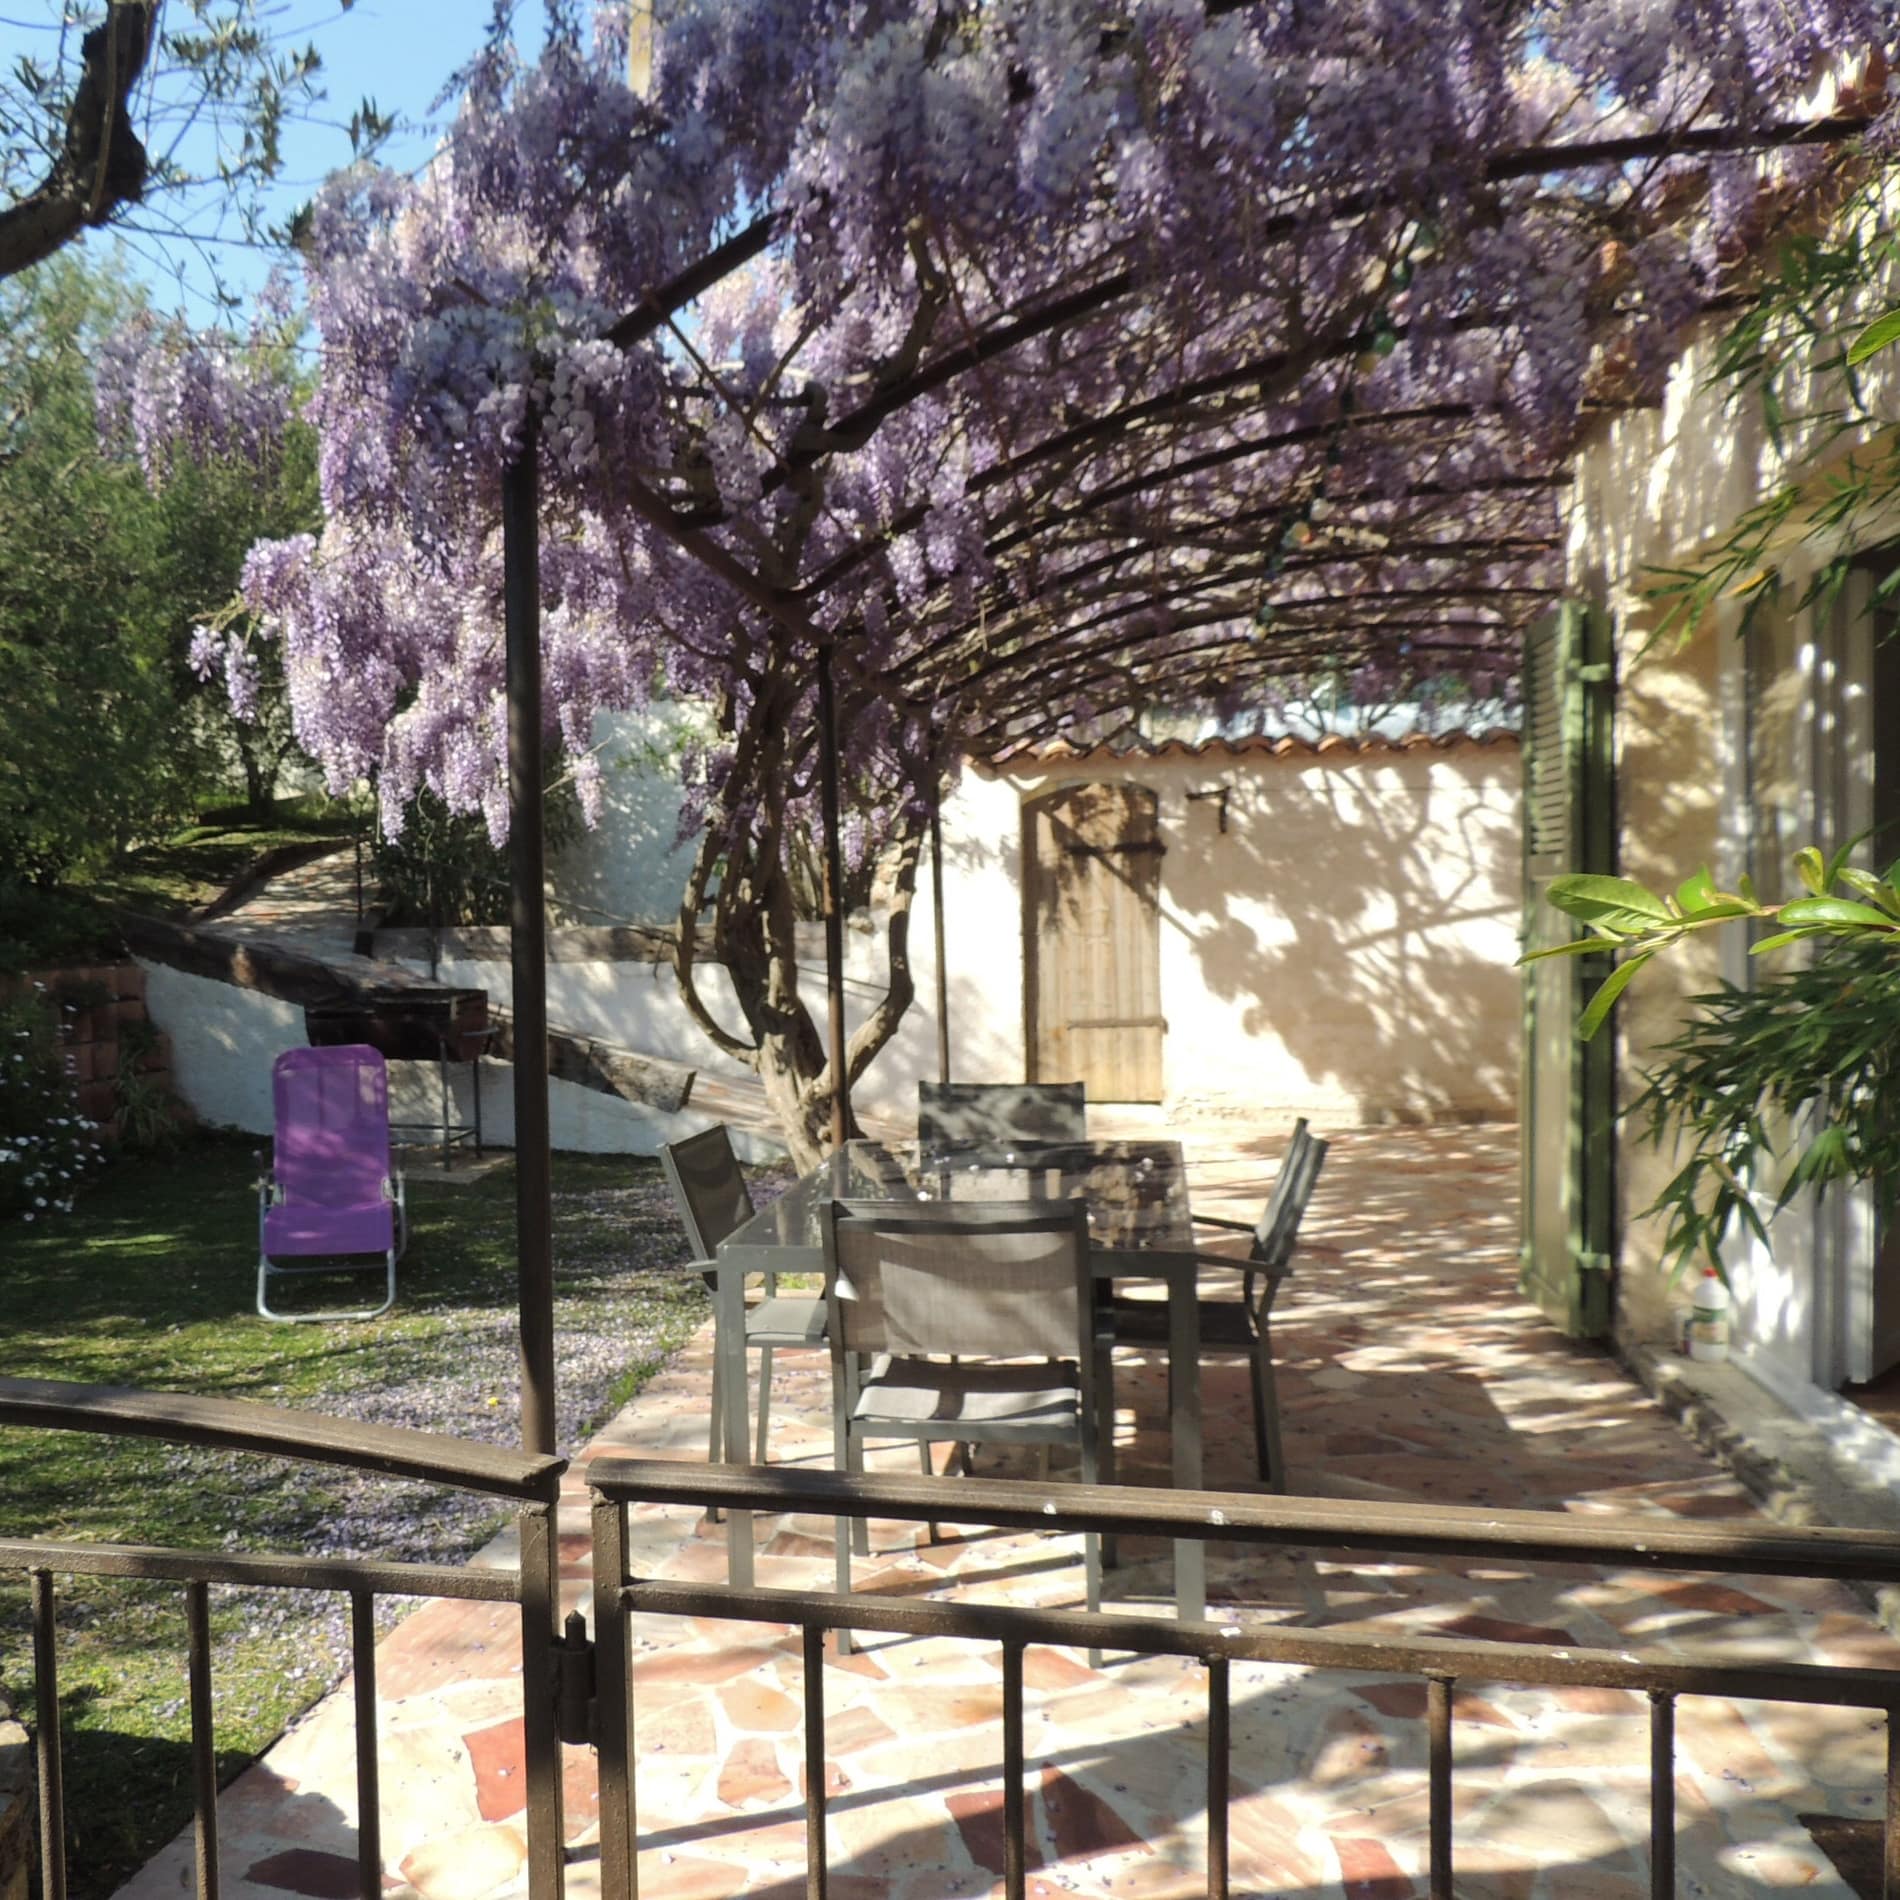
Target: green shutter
[(1567, 1101)]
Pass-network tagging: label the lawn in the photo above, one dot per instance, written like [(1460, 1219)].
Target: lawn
[(150, 1283), (191, 866)]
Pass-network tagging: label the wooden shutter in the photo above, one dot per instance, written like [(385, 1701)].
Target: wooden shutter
[(1093, 955), (1566, 1102)]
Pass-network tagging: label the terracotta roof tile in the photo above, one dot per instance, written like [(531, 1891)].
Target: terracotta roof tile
[(1258, 745)]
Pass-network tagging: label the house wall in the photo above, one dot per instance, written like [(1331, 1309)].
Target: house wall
[(1656, 489), (1343, 950)]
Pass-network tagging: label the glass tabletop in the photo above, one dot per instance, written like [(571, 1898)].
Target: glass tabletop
[(1136, 1190)]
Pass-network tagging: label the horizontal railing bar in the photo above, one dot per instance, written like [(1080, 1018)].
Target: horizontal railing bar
[(269, 1571), (1227, 1517), (280, 1432), (1355, 1652)]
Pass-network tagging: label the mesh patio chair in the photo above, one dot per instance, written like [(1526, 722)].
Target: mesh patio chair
[(332, 1193), (961, 1115), (1241, 1321), (1006, 1287), (714, 1202)]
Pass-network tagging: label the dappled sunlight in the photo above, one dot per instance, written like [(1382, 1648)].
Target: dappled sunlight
[(1411, 1371)]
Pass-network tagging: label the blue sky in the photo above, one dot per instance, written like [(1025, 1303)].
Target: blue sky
[(397, 52)]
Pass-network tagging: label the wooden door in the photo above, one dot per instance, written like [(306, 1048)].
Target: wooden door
[(1093, 951), (1566, 1104)]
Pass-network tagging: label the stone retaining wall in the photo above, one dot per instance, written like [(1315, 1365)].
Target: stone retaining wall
[(106, 1036)]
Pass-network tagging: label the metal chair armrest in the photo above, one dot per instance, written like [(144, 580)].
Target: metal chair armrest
[(1221, 1220)]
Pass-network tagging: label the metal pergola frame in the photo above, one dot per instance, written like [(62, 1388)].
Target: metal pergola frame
[(1171, 599)]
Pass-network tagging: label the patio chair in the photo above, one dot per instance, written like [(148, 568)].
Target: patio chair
[(332, 1192), (714, 1202), (1007, 1288), (961, 1115), (1242, 1321)]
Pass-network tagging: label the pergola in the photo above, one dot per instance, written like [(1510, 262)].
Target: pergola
[(1343, 447)]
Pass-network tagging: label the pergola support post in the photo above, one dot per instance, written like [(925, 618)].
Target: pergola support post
[(937, 927), (834, 901), (534, 1220)]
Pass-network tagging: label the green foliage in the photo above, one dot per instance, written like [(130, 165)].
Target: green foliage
[(1881, 334), (107, 738), (40, 928), (46, 1146), (1808, 1061), (86, 711), (1635, 922), (445, 870), (1786, 352)]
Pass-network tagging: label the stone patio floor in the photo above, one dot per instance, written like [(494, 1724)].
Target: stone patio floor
[(1411, 1370)]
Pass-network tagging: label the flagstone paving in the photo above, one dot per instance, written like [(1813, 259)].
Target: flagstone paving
[(1411, 1371)]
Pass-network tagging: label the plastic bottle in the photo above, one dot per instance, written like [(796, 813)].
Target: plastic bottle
[(1708, 1319)]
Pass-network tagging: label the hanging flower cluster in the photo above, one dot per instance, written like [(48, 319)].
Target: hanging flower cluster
[(1046, 356)]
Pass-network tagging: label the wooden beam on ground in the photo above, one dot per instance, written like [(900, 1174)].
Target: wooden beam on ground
[(603, 1066)]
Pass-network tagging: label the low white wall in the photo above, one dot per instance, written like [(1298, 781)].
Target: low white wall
[(225, 1040)]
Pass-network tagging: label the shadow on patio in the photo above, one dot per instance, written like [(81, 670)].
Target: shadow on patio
[(1411, 1370)]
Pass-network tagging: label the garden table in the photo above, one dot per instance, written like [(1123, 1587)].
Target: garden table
[(1140, 1225)]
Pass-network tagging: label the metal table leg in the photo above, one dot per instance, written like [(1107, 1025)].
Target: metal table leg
[(1184, 1353), (729, 1345)]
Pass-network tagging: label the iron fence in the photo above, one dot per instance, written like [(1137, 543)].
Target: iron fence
[(530, 1481), (1327, 1525)]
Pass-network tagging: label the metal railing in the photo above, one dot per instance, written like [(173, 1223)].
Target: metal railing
[(1854, 1557), (532, 1482)]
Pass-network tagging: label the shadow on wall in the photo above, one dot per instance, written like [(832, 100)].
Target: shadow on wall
[(1364, 915)]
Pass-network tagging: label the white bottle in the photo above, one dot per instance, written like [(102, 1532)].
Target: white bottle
[(1708, 1319)]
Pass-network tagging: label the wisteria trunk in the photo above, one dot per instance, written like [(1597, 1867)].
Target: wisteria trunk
[(754, 935)]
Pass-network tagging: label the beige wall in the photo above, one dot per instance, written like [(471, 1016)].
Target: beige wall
[(1344, 950), (1652, 490)]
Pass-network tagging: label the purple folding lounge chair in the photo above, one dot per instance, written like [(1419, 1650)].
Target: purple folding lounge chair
[(331, 1191)]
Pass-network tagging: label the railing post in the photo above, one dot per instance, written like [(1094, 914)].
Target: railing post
[(1438, 1718), (1662, 1794), (1219, 1749), (613, 1702), (204, 1741), (369, 1795), (1890, 1856), (1015, 1807), (540, 1596), (46, 1742), (817, 1861)]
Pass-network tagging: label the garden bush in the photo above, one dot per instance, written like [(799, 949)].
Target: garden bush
[(46, 1145)]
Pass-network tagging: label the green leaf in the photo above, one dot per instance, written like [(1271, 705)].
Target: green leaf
[(1880, 892), (1838, 861), (1714, 913), (1594, 898), (1577, 947), (1697, 892), (1877, 336), (1745, 885), (1833, 912), (1782, 938), (1811, 868), (1608, 991)]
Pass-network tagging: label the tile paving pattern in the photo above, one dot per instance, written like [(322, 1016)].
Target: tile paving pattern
[(1411, 1370)]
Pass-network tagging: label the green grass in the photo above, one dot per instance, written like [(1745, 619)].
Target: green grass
[(150, 1283), (189, 868)]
